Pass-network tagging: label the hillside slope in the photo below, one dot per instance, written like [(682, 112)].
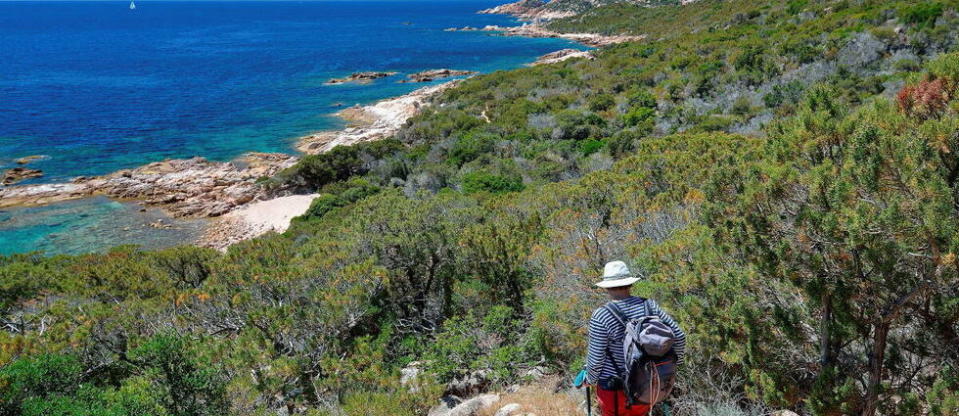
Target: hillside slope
[(782, 174)]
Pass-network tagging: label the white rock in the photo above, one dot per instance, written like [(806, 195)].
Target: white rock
[(507, 410), (472, 406)]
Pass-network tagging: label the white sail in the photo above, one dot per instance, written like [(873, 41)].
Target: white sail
[(133, 5)]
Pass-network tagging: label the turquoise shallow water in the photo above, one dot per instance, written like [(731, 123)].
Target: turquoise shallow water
[(79, 226), (96, 87)]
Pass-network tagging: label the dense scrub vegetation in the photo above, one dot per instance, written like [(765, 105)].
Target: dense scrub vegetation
[(812, 261)]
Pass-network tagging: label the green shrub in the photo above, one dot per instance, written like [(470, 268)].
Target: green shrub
[(338, 195), (624, 141), (468, 148), (795, 6), (790, 93), (38, 377), (641, 98), (481, 181), (639, 116), (922, 14), (313, 172), (590, 146), (742, 106), (187, 385), (601, 102), (715, 123)]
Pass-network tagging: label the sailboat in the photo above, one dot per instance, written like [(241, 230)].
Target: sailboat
[(133, 5)]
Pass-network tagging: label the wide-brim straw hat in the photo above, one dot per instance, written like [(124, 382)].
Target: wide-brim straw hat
[(616, 274)]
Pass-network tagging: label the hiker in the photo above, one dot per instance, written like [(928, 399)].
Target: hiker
[(607, 329)]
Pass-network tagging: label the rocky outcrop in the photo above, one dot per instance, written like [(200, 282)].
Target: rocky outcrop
[(473, 383), (29, 159), (360, 77), (529, 10), (12, 176), (373, 122), (184, 187), (562, 55), (508, 410), (467, 408), (462, 29), (434, 74), (557, 9)]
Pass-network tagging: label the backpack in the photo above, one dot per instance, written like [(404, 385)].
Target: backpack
[(650, 371)]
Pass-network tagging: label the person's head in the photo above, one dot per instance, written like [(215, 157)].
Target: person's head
[(617, 280), (619, 292)]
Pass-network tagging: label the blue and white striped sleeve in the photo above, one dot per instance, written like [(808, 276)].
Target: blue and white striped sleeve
[(680, 346), (598, 342)]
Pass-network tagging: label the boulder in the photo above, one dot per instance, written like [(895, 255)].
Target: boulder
[(862, 49), (28, 159), (411, 372), (475, 382), (447, 403), (784, 413), (472, 406), (508, 410), (536, 373)]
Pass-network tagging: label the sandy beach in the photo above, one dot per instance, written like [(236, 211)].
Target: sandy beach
[(255, 219)]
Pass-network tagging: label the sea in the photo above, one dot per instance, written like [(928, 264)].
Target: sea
[(93, 87)]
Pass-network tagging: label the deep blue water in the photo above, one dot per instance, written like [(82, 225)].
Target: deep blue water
[(96, 87)]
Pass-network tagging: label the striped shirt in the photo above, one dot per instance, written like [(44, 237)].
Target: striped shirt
[(606, 337)]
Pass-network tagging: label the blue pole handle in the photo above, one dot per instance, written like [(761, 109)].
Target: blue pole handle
[(580, 379)]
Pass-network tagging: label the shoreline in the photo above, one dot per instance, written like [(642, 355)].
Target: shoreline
[(228, 192), (255, 219), (372, 122), (535, 30)]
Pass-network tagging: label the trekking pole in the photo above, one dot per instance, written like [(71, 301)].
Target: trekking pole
[(589, 403), (580, 381)]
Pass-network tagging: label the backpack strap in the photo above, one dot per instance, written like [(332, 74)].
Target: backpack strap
[(619, 316), (617, 313)]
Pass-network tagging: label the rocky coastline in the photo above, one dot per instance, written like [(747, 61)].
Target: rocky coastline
[(230, 191), (532, 30), (531, 10), (562, 55), (373, 122), (182, 187)]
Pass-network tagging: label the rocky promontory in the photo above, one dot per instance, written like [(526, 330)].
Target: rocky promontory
[(434, 74), (562, 55), (373, 122), (537, 31), (183, 187), (360, 77), (528, 10)]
